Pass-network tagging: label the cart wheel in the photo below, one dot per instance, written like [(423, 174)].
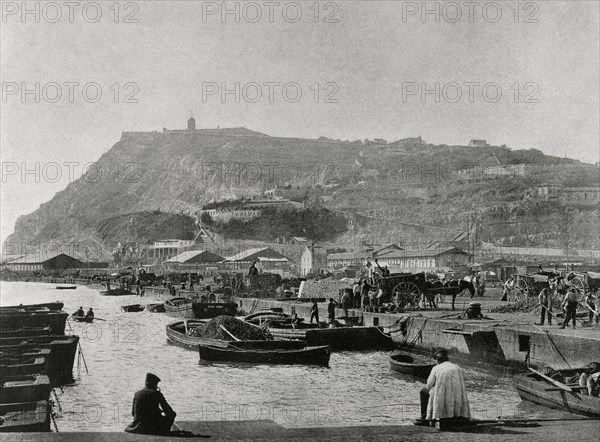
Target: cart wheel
[(522, 288), (578, 283), (406, 294)]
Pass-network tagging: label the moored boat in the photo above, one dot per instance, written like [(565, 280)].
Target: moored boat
[(132, 308), (181, 333), (66, 287), (116, 292), (534, 387), (407, 363), (207, 310), (83, 318), (307, 355), (22, 365), (156, 308), (14, 320), (30, 388), (338, 338), (60, 360), (54, 306), (25, 417), (26, 331), (179, 307)]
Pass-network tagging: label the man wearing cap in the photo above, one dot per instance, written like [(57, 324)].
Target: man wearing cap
[(445, 396), (151, 412), (570, 307)]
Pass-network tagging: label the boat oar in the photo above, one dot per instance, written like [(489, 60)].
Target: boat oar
[(549, 379), (99, 319), (227, 331), (83, 359)]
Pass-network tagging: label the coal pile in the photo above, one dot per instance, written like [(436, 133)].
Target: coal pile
[(239, 329), (526, 306)]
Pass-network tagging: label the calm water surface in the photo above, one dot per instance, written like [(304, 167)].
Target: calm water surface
[(119, 351)]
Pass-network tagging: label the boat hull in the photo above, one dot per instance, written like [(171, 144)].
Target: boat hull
[(25, 389), (22, 365), (53, 306), (117, 292), (207, 310), (11, 320), (179, 308), (60, 359), (531, 388), (25, 417), (176, 336), (412, 365), (339, 338), (306, 356)]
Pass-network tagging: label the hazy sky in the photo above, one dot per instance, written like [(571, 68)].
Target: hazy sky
[(373, 58)]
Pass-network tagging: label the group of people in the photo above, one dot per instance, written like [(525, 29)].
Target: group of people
[(80, 313), (569, 304)]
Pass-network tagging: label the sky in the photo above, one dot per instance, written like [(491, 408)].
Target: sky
[(526, 76)]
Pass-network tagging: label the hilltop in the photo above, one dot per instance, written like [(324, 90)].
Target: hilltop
[(151, 185)]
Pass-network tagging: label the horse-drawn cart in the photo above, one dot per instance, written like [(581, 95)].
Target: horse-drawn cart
[(406, 290)]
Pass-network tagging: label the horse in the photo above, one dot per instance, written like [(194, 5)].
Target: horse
[(460, 286)]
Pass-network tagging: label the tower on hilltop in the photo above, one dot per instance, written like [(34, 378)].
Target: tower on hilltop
[(191, 124)]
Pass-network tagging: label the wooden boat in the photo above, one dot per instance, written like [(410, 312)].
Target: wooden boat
[(407, 363), (54, 306), (66, 287), (83, 318), (307, 355), (260, 317), (26, 331), (133, 308), (60, 360), (21, 365), (206, 310), (178, 333), (30, 388), (534, 388), (117, 292), (14, 320), (156, 308), (338, 338), (179, 307), (25, 417)]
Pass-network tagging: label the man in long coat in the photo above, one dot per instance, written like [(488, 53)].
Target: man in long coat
[(149, 404), (445, 396)]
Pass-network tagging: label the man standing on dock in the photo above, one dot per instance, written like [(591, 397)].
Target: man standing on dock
[(149, 405), (570, 307), (314, 311), (445, 396), (331, 310), (545, 298)]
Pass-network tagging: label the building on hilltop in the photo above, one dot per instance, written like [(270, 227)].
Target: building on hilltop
[(580, 196), (478, 143)]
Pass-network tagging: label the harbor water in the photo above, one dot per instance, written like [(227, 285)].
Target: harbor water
[(358, 388)]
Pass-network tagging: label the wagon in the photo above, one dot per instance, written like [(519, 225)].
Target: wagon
[(587, 282), (531, 284), (405, 290)]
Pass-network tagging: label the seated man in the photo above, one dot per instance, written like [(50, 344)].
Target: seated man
[(90, 313), (591, 379), (445, 396), (79, 312), (151, 412)]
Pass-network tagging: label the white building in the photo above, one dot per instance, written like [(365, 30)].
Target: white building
[(313, 260)]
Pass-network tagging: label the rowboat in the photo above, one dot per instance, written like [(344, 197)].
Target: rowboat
[(206, 310), (21, 365), (116, 292), (66, 287), (411, 364), (338, 338), (307, 355), (25, 417), (14, 320), (31, 388), (133, 308), (54, 306), (60, 360), (535, 388), (83, 318), (260, 317), (156, 308), (178, 333), (25, 331), (180, 307)]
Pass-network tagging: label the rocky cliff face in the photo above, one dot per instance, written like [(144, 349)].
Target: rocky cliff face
[(149, 186)]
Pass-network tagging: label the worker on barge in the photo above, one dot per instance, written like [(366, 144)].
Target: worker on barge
[(444, 398), (151, 412)]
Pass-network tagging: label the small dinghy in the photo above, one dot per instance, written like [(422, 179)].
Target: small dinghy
[(133, 308), (66, 287), (414, 365)]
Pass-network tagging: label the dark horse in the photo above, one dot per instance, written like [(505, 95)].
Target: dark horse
[(453, 288)]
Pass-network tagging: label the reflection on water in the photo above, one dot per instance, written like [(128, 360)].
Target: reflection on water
[(357, 389)]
